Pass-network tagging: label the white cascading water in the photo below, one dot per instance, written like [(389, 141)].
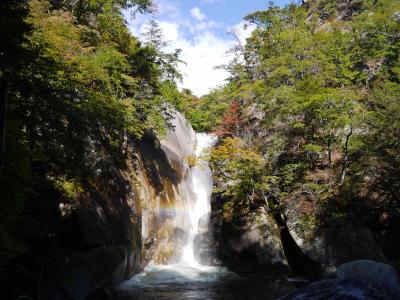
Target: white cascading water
[(186, 279), (202, 186)]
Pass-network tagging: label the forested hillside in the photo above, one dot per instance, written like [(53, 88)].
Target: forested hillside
[(309, 122), (101, 170), (78, 88)]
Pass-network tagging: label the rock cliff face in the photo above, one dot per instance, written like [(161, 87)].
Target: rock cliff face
[(126, 218), (95, 242), (247, 239), (304, 237), (165, 192), (332, 243)]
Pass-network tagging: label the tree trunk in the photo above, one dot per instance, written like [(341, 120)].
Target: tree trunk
[(330, 152), (346, 155), (3, 111)]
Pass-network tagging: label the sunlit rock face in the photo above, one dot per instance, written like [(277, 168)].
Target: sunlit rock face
[(165, 191), (179, 145)]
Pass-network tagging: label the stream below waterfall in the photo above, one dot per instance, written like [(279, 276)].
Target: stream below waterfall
[(187, 279), (180, 282)]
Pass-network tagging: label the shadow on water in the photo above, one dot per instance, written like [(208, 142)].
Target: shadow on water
[(177, 282)]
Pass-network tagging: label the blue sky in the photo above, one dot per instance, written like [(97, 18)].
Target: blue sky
[(199, 28), (229, 12)]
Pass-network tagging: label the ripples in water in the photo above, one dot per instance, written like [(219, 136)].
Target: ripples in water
[(176, 282)]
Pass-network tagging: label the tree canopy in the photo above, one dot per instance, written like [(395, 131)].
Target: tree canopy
[(318, 92), (75, 88)]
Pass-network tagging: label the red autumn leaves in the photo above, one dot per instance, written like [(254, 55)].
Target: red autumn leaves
[(231, 121)]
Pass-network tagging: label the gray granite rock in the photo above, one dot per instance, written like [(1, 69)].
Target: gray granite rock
[(335, 289), (378, 276)]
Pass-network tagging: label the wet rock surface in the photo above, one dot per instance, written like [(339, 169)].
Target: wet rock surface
[(205, 250), (167, 246)]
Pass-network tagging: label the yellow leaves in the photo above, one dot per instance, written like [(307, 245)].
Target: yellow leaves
[(313, 148), (242, 169), (56, 31), (191, 160), (235, 151), (69, 188)]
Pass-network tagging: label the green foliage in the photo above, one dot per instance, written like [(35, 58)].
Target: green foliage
[(70, 189), (292, 173), (238, 166), (318, 85), (79, 89), (167, 62), (207, 113), (306, 226)]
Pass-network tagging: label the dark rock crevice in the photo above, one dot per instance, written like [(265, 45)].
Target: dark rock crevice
[(300, 263), (271, 248)]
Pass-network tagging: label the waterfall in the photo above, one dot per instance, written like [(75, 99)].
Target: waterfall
[(185, 278), (171, 215), (202, 186)]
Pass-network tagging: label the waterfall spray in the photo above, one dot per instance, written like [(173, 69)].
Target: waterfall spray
[(202, 187)]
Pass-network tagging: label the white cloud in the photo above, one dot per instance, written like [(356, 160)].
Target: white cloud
[(197, 14), (203, 26), (165, 8), (170, 30), (202, 55), (202, 48), (242, 30)]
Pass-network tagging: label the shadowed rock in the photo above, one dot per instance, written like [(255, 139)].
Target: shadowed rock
[(377, 275)]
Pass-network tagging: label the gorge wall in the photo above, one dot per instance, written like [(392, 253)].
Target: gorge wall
[(114, 228), (165, 192)]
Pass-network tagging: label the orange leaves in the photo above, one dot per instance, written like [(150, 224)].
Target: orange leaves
[(231, 121)]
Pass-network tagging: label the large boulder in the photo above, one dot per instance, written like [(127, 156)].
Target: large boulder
[(205, 250), (356, 280), (329, 240), (335, 289), (247, 238), (378, 276)]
